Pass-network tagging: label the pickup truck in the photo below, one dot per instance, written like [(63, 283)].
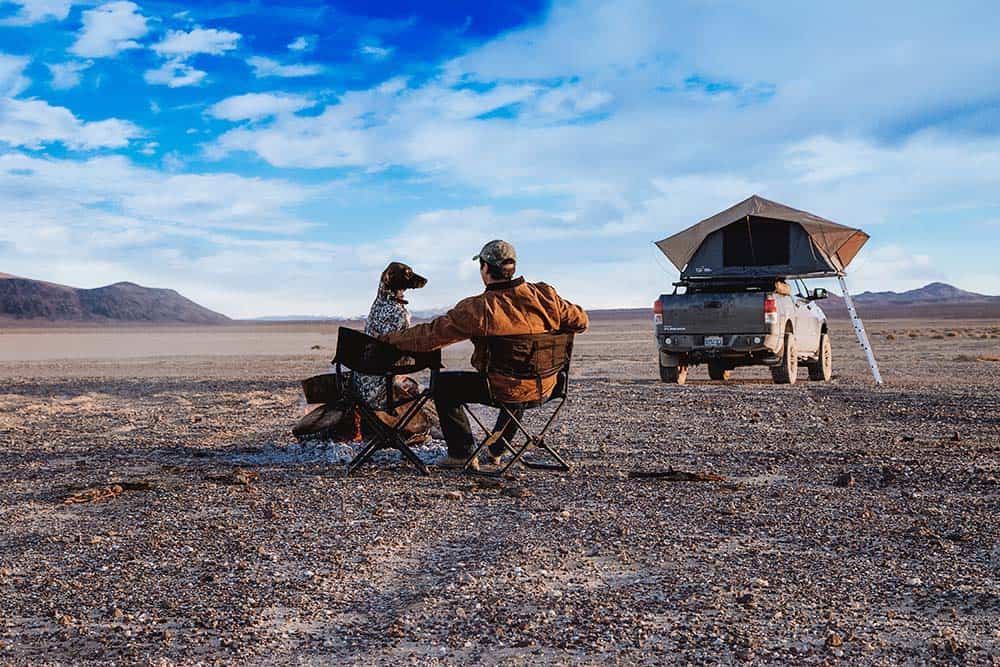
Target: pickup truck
[(731, 324)]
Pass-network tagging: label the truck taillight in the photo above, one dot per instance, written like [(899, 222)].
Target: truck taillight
[(770, 310), (657, 307)]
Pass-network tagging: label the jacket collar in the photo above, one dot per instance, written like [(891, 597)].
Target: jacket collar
[(507, 284)]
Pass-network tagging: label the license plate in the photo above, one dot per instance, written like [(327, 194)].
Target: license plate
[(713, 341)]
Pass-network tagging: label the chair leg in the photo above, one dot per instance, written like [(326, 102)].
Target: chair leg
[(561, 465), (366, 453), (387, 438), (483, 443), (536, 441)]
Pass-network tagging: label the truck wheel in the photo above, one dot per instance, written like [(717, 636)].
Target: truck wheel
[(718, 370), (787, 372), (822, 368), (674, 374)]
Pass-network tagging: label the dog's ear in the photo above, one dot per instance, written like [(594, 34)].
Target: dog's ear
[(386, 277)]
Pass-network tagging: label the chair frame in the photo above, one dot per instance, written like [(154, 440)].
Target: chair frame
[(371, 362), (531, 440)]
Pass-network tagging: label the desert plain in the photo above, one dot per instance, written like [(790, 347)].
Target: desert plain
[(849, 523)]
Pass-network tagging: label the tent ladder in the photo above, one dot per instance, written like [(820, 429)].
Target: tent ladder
[(859, 329)]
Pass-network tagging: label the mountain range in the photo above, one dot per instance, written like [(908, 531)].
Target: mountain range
[(36, 301), (25, 300), (932, 301)]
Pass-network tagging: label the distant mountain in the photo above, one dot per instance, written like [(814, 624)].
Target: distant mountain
[(935, 300), (932, 301), (24, 299), (930, 293)]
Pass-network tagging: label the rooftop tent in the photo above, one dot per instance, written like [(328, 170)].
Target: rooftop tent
[(760, 238)]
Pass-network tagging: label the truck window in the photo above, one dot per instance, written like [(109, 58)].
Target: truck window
[(756, 242)]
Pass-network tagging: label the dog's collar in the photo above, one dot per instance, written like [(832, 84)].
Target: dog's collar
[(394, 295), (507, 284)]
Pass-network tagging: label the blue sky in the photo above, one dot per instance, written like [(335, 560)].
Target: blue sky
[(268, 158)]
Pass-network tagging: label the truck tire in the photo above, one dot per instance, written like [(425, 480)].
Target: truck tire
[(719, 370), (822, 368), (788, 370), (674, 374)]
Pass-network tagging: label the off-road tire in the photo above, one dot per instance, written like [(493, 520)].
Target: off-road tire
[(822, 369), (674, 374), (718, 370), (788, 370)]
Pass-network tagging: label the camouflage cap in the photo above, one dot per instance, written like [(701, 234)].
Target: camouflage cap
[(496, 252)]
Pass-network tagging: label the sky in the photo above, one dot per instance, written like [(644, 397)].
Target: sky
[(270, 158)]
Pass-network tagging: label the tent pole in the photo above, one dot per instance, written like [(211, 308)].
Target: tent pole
[(859, 329)]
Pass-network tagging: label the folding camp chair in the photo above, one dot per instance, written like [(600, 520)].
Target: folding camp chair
[(363, 354), (525, 357)]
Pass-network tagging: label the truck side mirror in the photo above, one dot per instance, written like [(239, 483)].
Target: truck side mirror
[(817, 294)]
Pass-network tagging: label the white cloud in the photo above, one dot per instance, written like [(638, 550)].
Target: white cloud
[(37, 11), (109, 29), (12, 79), (374, 51), (35, 123), (893, 267), (303, 43), (174, 74), (268, 67), (68, 75), (255, 106), (105, 219), (181, 44)]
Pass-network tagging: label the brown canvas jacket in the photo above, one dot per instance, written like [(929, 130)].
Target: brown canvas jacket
[(505, 309)]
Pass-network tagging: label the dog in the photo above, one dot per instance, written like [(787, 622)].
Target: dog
[(388, 314)]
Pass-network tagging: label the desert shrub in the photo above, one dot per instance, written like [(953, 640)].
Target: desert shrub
[(966, 358), (952, 334), (913, 334), (937, 337), (890, 336)]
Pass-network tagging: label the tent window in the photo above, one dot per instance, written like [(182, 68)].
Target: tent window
[(763, 243)]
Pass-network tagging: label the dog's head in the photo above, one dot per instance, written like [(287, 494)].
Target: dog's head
[(399, 277)]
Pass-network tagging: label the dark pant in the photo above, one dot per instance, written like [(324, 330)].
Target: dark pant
[(452, 390)]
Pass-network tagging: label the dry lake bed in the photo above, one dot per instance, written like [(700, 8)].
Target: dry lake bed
[(852, 524)]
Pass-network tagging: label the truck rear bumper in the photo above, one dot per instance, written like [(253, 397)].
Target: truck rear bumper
[(739, 349)]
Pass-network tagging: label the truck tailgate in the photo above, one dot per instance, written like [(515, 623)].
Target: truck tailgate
[(723, 313)]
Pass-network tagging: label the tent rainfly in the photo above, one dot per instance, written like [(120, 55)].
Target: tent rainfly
[(758, 239)]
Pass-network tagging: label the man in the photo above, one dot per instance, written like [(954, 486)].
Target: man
[(508, 307)]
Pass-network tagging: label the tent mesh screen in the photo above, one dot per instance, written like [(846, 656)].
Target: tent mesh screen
[(756, 243)]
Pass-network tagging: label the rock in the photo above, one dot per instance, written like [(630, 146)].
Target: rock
[(844, 480), (834, 640), (453, 495)]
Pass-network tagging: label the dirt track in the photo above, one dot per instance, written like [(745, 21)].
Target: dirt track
[(854, 523)]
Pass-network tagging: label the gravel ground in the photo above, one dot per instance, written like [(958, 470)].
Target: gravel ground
[(853, 524)]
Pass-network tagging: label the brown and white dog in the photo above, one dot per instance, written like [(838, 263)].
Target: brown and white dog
[(388, 314)]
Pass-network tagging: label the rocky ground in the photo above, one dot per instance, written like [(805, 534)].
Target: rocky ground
[(852, 524)]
